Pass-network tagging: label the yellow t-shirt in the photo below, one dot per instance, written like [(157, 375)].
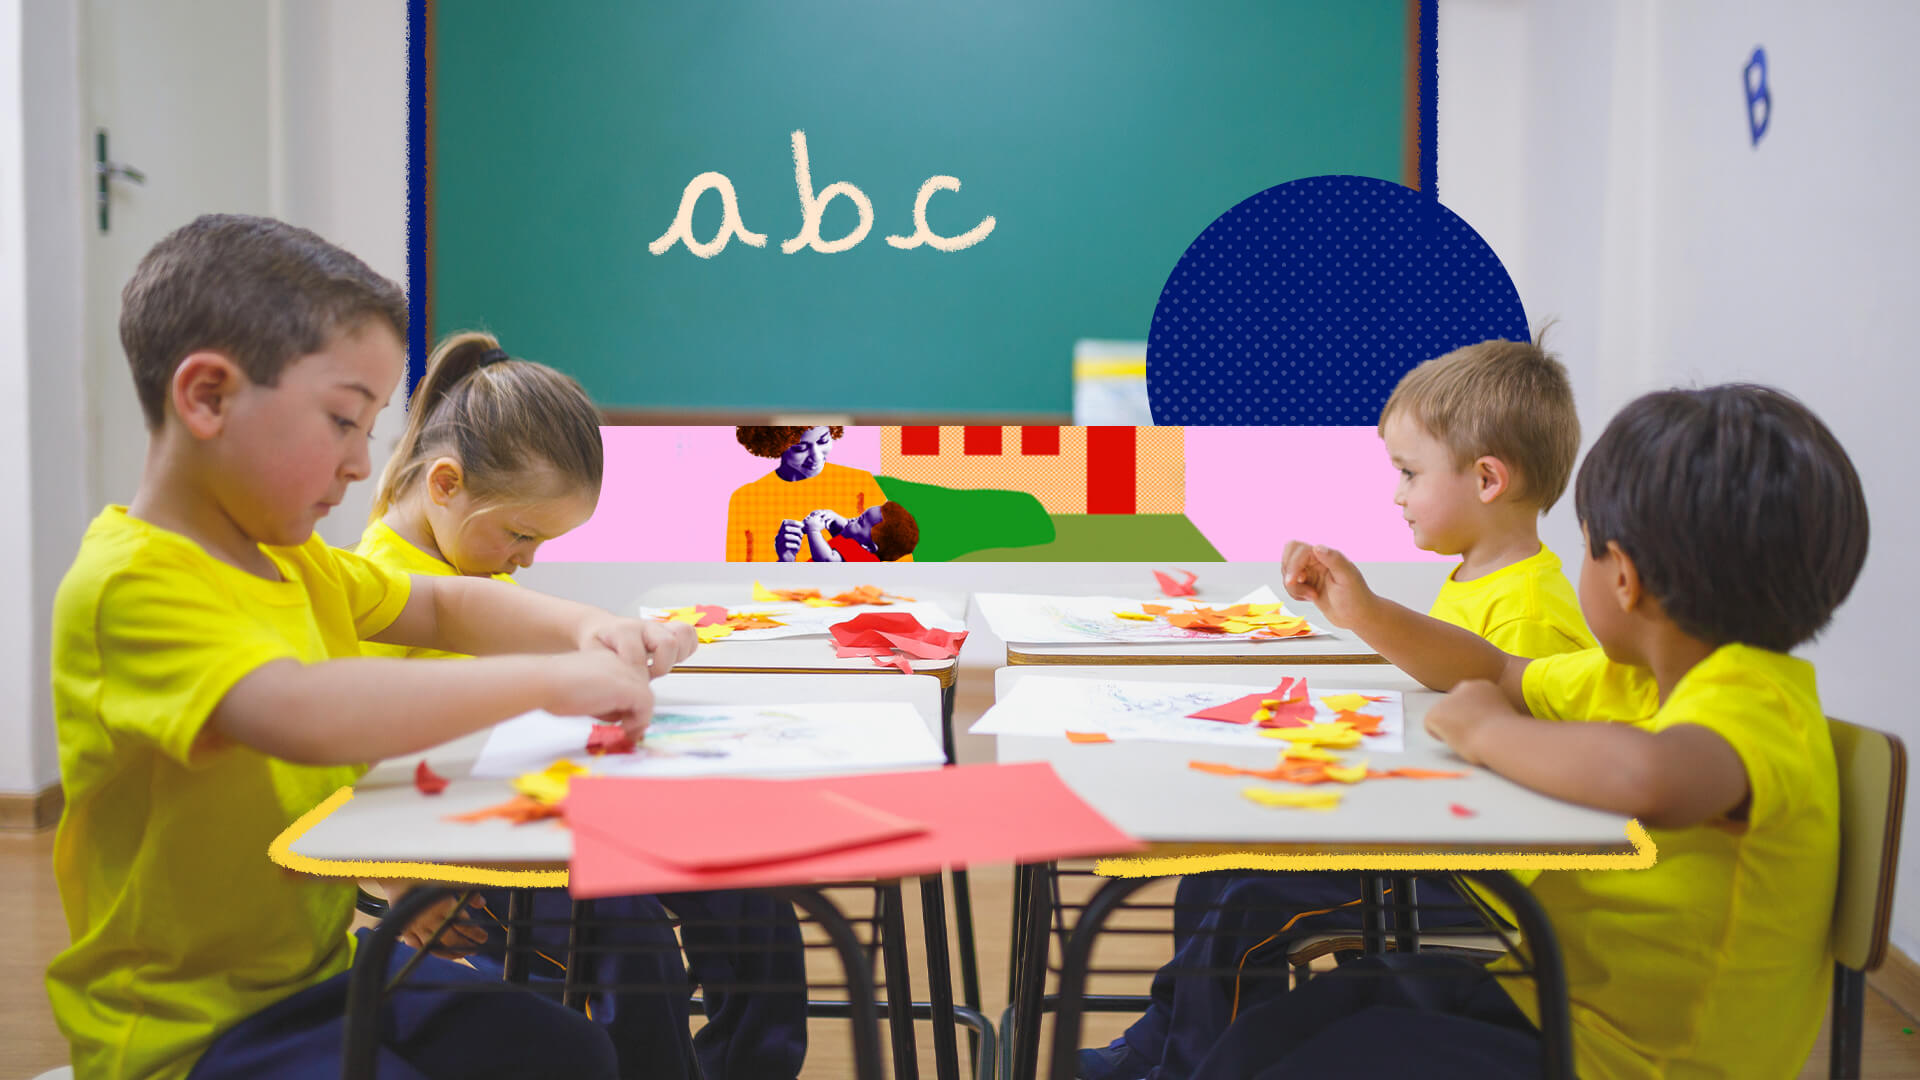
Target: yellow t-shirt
[(181, 927), (380, 544), (1527, 609), (755, 511), (1714, 962)]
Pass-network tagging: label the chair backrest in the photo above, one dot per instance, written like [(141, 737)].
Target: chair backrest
[(1873, 788)]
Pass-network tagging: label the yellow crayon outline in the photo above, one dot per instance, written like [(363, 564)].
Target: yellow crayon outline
[(1641, 857), (281, 852)]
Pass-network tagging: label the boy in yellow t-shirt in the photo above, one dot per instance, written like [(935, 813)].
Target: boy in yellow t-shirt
[(1484, 438), (1723, 526), (209, 689)]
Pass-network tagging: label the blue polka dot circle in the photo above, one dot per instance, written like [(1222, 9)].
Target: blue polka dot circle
[(1306, 303)]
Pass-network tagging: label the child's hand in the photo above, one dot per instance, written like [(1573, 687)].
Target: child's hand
[(458, 940), (1462, 718), (596, 682), (667, 644), (648, 644), (825, 521), (1325, 578)]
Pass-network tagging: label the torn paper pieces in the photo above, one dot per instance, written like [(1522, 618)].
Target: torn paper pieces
[(879, 633), (1302, 800), (1342, 703), (1088, 737), (1307, 752), (1334, 736), (519, 810), (1285, 705), (428, 781), (868, 594), (1293, 772), (1364, 723), (1170, 587), (895, 660), (549, 785), (764, 595), (710, 634), (1136, 616), (609, 739), (1418, 774), (1347, 774), (1460, 811)]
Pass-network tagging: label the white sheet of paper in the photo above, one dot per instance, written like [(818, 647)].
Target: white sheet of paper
[(711, 740), (1054, 705), (1065, 620), (803, 621)]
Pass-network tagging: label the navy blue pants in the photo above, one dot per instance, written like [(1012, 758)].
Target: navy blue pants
[(1434, 1017), (732, 938), (1237, 920), (426, 1034)]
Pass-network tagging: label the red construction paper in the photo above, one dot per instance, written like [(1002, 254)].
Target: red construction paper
[(895, 660), (882, 649), (1296, 712), (1170, 587), (428, 781), (974, 814), (711, 615), (865, 629), (928, 644), (1088, 737), (609, 739), (1460, 811), (766, 821)]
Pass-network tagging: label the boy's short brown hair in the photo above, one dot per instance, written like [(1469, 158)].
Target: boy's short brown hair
[(1505, 399), (897, 534), (261, 291)]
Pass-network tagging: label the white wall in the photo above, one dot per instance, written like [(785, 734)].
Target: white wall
[(1627, 199)]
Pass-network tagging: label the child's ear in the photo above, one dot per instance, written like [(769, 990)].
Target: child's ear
[(1625, 584), (444, 480), (1493, 477), (202, 391)]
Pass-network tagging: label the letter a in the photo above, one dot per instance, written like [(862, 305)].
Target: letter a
[(924, 234), (730, 224), (813, 206)]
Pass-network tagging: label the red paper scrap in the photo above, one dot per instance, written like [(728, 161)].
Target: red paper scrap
[(711, 615), (878, 633), (1088, 736), (428, 781), (929, 644), (519, 810), (1419, 774), (895, 660), (766, 822), (609, 739), (1295, 709), (974, 815), (1460, 811), (1170, 587)]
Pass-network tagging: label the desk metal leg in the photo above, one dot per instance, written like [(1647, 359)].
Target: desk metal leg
[(1406, 914), (1075, 965), (1030, 972), (1849, 1015), (893, 953), (367, 980), (854, 960), (580, 932), (1373, 935), (1542, 951), (962, 891), (513, 965), (933, 917)]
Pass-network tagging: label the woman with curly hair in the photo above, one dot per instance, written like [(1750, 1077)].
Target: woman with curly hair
[(764, 517)]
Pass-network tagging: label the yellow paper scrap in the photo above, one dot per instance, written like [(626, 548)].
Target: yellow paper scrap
[(1334, 736), (764, 595), (710, 634), (1137, 616), (1346, 702), (1235, 626), (1347, 774), (821, 601), (1262, 609), (1303, 800), (1308, 752), (686, 615), (1261, 715), (549, 785)]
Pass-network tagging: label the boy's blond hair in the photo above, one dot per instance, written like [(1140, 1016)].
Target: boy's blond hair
[(1505, 399)]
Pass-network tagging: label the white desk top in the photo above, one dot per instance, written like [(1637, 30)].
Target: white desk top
[(1147, 789), (813, 655), (1337, 647), (388, 820)]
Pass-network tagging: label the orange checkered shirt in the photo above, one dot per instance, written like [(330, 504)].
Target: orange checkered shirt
[(756, 510)]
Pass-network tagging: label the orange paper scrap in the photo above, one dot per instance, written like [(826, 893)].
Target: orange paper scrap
[(1088, 736), (519, 810)]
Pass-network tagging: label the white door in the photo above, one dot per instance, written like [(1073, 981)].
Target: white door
[(186, 91)]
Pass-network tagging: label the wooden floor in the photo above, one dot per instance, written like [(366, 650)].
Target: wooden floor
[(34, 930)]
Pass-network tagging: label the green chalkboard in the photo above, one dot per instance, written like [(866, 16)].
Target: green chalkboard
[(1101, 135)]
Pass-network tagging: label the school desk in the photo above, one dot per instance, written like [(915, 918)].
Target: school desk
[(814, 655), (388, 821), (1391, 826)]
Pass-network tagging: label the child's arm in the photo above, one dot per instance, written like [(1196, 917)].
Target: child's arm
[(480, 617), (817, 540), (342, 712), (1685, 775), (1438, 654)]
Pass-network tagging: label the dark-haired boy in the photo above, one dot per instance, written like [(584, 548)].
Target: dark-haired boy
[(1723, 528)]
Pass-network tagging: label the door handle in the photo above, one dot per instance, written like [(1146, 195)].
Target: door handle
[(105, 171)]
